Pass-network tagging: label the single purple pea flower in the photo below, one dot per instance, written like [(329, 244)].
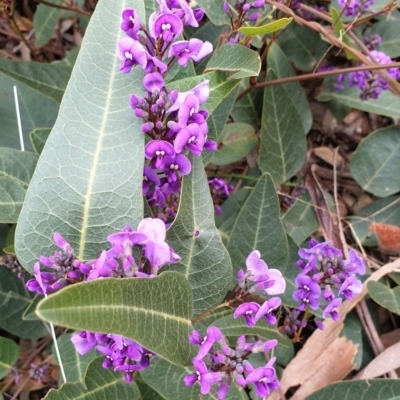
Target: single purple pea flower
[(153, 82), (203, 376), (213, 335), (132, 53), (84, 341), (248, 311), (167, 26), (190, 137), (331, 309), (130, 23), (350, 287), (264, 379), (158, 149), (193, 49), (266, 310)]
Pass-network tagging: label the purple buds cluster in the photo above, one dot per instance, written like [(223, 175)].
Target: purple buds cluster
[(173, 121), (325, 277), (369, 82), (258, 278), (355, 8), (217, 364), (122, 354), (63, 268), (244, 11)]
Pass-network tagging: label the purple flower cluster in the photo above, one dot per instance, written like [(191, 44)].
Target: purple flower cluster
[(64, 268), (219, 188), (117, 262), (258, 278), (244, 12), (371, 41), (121, 353), (173, 121), (355, 8), (219, 364), (326, 276), (370, 84)]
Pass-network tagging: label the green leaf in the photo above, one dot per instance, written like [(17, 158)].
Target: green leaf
[(248, 109), (258, 227), (38, 138), (237, 327), (385, 296), (205, 261), (14, 299), (353, 330), (390, 34), (16, 170), (236, 59), (214, 10), (278, 62), (167, 380), (29, 313), (74, 365), (9, 352), (302, 46), (300, 220), (370, 389), (267, 28), (376, 162), (283, 144), (100, 384), (150, 311), (146, 392), (290, 272), (45, 21), (220, 87), (50, 80), (237, 140), (385, 211), (388, 104), (31, 104), (82, 187), (340, 31)]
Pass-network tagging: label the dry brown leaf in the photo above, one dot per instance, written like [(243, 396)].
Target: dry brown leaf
[(388, 235), (385, 362), (316, 364), (326, 154), (390, 338)]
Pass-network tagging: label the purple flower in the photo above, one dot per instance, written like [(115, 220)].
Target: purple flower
[(149, 176), (248, 311), (203, 376), (167, 26), (264, 379), (201, 91), (158, 149), (350, 287), (130, 23), (132, 53), (153, 82), (266, 310), (191, 137), (213, 335), (331, 309), (306, 288), (84, 341), (193, 49), (355, 263)]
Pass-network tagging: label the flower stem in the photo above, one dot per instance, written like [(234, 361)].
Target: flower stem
[(298, 333), (209, 312)]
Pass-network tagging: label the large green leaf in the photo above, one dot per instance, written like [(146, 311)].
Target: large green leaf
[(238, 327), (49, 80), (300, 220), (14, 299), (388, 104), (258, 227), (74, 365), (31, 104), (16, 170), (283, 143), (385, 296), (45, 21), (302, 46), (100, 384), (88, 180), (390, 34), (370, 389), (384, 211), (375, 165), (238, 140), (167, 380), (204, 260), (8, 355), (214, 10), (236, 59), (278, 62), (155, 312)]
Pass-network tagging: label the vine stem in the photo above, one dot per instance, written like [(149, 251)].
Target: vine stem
[(209, 312)]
